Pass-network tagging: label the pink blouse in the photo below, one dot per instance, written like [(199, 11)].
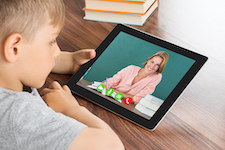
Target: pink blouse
[(122, 81)]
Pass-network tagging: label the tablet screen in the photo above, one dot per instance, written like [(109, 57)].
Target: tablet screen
[(138, 73)]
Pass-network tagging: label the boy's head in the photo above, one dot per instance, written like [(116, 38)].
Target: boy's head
[(28, 32), (26, 17)]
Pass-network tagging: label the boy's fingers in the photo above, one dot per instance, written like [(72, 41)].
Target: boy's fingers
[(83, 56), (55, 85), (45, 91), (66, 88), (92, 54)]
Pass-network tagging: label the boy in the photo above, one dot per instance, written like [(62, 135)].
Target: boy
[(28, 53)]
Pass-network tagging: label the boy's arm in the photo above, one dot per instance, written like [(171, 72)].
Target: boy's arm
[(98, 135), (70, 62)]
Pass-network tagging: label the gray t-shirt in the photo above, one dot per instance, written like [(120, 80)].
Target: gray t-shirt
[(27, 123)]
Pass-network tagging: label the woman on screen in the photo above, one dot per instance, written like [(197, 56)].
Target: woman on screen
[(136, 82)]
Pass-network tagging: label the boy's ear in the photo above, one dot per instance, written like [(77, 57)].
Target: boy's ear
[(12, 46)]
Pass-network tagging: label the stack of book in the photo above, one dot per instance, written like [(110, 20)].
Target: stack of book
[(133, 12), (149, 105)]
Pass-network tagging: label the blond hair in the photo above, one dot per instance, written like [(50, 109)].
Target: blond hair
[(26, 17), (164, 56)]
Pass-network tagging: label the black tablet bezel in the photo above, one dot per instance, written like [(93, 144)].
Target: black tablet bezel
[(133, 117)]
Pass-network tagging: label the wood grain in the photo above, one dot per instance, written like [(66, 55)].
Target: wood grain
[(197, 120)]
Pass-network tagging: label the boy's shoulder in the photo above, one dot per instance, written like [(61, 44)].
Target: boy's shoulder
[(12, 100), (9, 98), (25, 116)]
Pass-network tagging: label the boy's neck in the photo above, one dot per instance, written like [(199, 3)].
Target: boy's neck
[(14, 88), (7, 82)]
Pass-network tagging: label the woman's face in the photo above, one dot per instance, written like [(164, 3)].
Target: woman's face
[(153, 64)]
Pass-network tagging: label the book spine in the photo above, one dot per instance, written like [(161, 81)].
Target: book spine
[(126, 1), (114, 11)]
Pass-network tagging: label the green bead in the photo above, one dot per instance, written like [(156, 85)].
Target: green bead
[(109, 92), (118, 96), (100, 87)]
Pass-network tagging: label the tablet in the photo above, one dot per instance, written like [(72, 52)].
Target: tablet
[(136, 75)]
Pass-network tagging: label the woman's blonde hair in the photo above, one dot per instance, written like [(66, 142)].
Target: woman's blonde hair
[(164, 56), (26, 17)]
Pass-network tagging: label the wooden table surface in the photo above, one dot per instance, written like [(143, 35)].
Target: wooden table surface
[(197, 120)]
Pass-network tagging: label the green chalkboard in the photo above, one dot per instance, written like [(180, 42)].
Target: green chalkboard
[(128, 50)]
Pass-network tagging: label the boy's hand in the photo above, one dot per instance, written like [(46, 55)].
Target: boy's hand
[(60, 99), (70, 62), (81, 57)]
